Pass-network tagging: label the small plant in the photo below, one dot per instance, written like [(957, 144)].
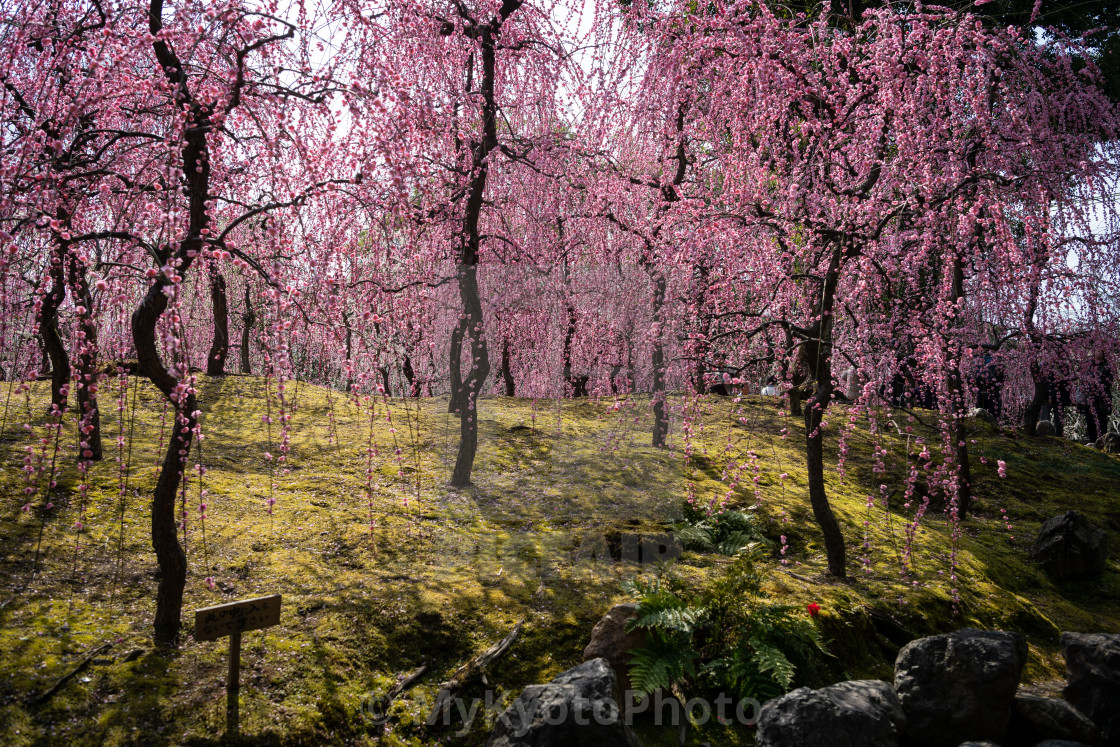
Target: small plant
[(730, 638), (725, 531)]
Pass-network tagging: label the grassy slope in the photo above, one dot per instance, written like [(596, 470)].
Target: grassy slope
[(417, 573)]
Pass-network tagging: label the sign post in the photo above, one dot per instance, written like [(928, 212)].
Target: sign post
[(233, 619)]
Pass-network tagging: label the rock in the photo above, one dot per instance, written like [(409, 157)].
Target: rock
[(1044, 428), (959, 686), (1059, 743), (1070, 545), (979, 413), (978, 744), (1034, 719), (1093, 675), (610, 641), (576, 708), (863, 713), (1109, 443)]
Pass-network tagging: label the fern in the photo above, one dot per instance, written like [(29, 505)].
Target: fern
[(725, 532), (741, 640), (693, 536), (770, 660), (663, 663)]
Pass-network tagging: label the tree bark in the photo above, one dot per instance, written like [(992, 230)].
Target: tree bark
[(818, 357), (248, 319), (87, 351), (170, 557), (410, 377), (219, 348), (455, 367), (1034, 407), (660, 419), (956, 402), (196, 170), (48, 326), (470, 325), (472, 385), (507, 374)]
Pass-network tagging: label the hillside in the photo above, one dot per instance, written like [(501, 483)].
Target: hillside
[(382, 567)]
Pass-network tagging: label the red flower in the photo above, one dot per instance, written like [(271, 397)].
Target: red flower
[(813, 608)]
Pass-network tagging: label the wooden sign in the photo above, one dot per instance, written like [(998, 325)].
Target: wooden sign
[(212, 623), (233, 619)]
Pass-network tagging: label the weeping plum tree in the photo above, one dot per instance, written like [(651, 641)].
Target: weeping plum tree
[(472, 94), (844, 151)]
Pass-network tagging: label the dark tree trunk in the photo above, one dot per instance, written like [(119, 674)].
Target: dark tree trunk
[(410, 377), (577, 384), (957, 402), (507, 374), (165, 540), (349, 351), (464, 392), (964, 470), (700, 346), (660, 418), (87, 351), (814, 464), (196, 170), (1034, 407), (631, 365), (248, 319), (385, 380), (455, 366), (45, 357), (472, 385), (48, 326), (165, 537), (219, 349), (817, 354)]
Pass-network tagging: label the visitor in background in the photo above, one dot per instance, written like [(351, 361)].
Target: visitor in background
[(770, 389), (1098, 397)]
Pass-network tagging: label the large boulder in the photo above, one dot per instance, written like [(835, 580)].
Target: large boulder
[(863, 713), (979, 413), (610, 641), (1044, 428), (1070, 545), (1093, 677), (1109, 443), (576, 708), (1035, 719), (959, 686)]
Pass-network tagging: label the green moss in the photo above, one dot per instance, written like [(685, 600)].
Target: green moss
[(384, 571)]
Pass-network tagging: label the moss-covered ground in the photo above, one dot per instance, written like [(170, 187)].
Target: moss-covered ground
[(382, 567)]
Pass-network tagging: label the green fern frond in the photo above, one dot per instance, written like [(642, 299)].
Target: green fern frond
[(771, 661)]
